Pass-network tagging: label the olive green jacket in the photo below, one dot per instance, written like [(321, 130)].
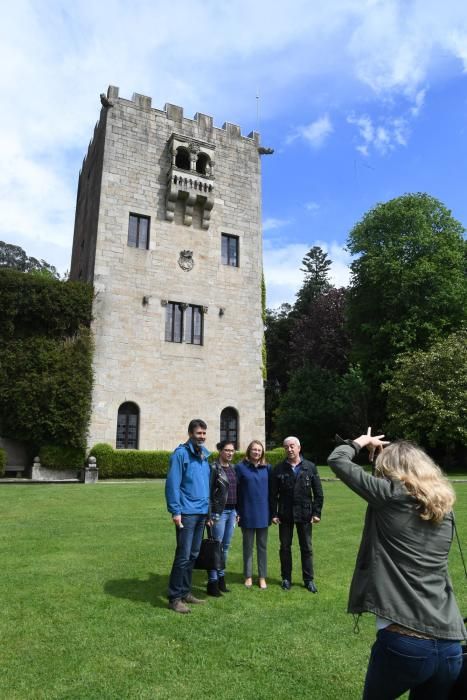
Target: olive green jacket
[(401, 572)]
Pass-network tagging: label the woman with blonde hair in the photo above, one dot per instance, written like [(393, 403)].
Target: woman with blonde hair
[(253, 475), (401, 573)]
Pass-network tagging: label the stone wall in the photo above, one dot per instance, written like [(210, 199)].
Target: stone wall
[(171, 382)]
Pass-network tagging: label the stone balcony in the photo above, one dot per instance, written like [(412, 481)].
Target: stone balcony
[(193, 189)]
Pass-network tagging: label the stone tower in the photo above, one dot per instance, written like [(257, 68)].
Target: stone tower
[(168, 229)]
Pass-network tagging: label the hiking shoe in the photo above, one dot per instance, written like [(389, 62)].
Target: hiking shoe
[(179, 606), (286, 585), (310, 586), (191, 599)]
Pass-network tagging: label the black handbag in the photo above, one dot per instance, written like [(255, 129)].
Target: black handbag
[(210, 554)]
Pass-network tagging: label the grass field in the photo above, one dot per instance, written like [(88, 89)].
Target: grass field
[(84, 615)]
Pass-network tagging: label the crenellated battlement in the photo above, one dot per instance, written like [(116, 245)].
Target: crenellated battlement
[(175, 113)]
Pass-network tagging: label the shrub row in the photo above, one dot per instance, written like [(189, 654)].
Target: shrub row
[(58, 457), (2, 462), (152, 464)]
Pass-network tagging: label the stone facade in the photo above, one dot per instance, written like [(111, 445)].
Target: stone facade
[(195, 182)]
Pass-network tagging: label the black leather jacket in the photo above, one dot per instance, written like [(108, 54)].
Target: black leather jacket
[(296, 499), (219, 489)]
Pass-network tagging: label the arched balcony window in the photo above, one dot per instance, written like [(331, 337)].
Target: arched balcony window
[(182, 159), (203, 164)]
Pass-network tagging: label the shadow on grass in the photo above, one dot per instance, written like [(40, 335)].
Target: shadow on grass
[(152, 590)]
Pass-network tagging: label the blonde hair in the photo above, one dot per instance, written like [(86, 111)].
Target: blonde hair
[(248, 450), (422, 478)]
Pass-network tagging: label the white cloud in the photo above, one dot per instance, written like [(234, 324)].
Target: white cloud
[(315, 134), (282, 269), (312, 206), (383, 137), (58, 56), (270, 223)]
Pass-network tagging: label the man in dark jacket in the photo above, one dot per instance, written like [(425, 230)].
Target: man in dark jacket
[(296, 499)]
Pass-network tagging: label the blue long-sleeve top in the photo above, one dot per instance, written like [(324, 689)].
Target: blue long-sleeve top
[(253, 494), (187, 484)]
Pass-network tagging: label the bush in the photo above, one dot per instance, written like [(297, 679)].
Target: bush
[(59, 457), (152, 464), (32, 305), (45, 389), (45, 360), (2, 462), (118, 464)]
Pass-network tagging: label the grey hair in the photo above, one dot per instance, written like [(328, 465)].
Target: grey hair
[(291, 437)]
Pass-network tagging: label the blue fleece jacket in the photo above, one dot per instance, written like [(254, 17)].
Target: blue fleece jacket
[(187, 484)]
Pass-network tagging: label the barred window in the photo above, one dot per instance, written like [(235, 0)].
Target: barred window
[(138, 231), (229, 425), (127, 426)]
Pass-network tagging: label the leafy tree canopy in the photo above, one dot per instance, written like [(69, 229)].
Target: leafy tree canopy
[(408, 284), (316, 264), (317, 404), (427, 393), (320, 335), (13, 257)]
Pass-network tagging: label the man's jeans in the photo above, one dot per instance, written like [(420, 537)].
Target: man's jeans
[(223, 530), (189, 538), (285, 551), (426, 667)]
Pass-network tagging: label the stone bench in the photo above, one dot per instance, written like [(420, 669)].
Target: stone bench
[(15, 470)]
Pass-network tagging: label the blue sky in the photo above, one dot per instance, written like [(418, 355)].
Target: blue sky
[(362, 101)]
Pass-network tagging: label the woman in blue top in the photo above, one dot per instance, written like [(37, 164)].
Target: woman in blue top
[(253, 510)]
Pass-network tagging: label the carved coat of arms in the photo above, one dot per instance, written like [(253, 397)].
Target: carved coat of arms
[(185, 260)]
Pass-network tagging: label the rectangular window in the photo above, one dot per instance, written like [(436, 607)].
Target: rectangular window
[(194, 325), (174, 322), (229, 250), (138, 231), (183, 322)]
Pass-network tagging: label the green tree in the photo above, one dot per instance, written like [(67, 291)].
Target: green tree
[(427, 394), (316, 264), (318, 403), (408, 284), (278, 324), (13, 257)]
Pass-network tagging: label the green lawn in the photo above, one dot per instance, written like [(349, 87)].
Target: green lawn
[(83, 579)]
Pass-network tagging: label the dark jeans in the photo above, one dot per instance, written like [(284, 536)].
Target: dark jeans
[(285, 551), (223, 530), (189, 539), (426, 667)]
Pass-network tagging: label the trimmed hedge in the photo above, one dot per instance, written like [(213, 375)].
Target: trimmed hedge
[(45, 389), (58, 457), (45, 360), (149, 464), (2, 462)]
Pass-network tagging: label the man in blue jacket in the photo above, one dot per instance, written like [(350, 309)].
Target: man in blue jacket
[(187, 496)]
